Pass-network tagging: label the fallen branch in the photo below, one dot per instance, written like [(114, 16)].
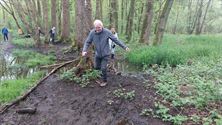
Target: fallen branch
[(49, 66), (26, 111), (7, 106)]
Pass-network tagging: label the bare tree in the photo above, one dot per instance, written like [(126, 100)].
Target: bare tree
[(192, 17), (83, 22), (59, 16), (66, 20), (130, 18), (146, 28), (99, 9), (53, 13), (22, 15), (200, 12), (114, 14), (161, 23), (45, 4), (200, 26), (7, 6), (140, 16)]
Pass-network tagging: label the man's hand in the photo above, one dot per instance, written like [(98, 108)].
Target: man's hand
[(127, 49), (84, 53)]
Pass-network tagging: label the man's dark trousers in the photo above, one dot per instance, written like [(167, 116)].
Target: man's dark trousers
[(5, 37), (101, 64)]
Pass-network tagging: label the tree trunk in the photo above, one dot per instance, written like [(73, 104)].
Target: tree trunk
[(83, 22), (66, 20), (59, 14), (3, 13), (53, 13), (29, 13), (83, 26), (140, 16), (200, 12), (175, 25), (45, 4), (16, 21), (130, 17), (162, 20), (39, 10), (114, 14), (122, 15), (9, 10), (192, 18), (205, 14), (17, 5), (98, 10), (88, 16), (146, 28)]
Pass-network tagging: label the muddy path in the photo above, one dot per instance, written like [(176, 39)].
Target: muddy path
[(59, 102)]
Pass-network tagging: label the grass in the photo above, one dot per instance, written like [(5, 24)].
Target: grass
[(197, 84), (11, 89), (23, 42), (177, 50)]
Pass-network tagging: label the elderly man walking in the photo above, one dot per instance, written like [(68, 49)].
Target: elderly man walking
[(100, 36)]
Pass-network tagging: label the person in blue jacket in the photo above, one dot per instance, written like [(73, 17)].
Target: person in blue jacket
[(100, 36), (5, 33)]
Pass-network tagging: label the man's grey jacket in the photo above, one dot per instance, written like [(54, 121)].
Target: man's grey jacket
[(101, 42)]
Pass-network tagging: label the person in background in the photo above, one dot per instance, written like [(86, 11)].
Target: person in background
[(52, 33), (99, 36), (39, 32), (112, 45), (5, 33), (20, 32)]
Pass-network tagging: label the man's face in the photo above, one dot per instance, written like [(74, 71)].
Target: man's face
[(98, 28)]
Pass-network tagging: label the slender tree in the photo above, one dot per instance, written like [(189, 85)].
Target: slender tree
[(9, 9), (204, 17), (130, 18), (140, 17), (199, 16), (66, 20), (192, 17), (98, 9), (22, 15), (162, 20), (146, 28), (45, 4), (114, 14), (53, 13)]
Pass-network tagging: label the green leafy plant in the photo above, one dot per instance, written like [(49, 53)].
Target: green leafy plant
[(147, 112), (83, 80), (122, 93)]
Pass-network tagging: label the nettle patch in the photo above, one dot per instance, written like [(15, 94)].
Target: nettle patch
[(196, 86), (124, 94), (82, 80)]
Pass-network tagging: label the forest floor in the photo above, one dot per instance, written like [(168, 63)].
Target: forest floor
[(59, 102)]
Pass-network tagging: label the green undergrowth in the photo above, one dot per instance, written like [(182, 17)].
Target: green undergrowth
[(177, 50), (11, 89)]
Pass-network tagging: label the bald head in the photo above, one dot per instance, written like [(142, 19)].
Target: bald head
[(98, 25)]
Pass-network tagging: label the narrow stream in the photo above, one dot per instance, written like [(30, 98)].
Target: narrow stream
[(126, 68), (13, 68)]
